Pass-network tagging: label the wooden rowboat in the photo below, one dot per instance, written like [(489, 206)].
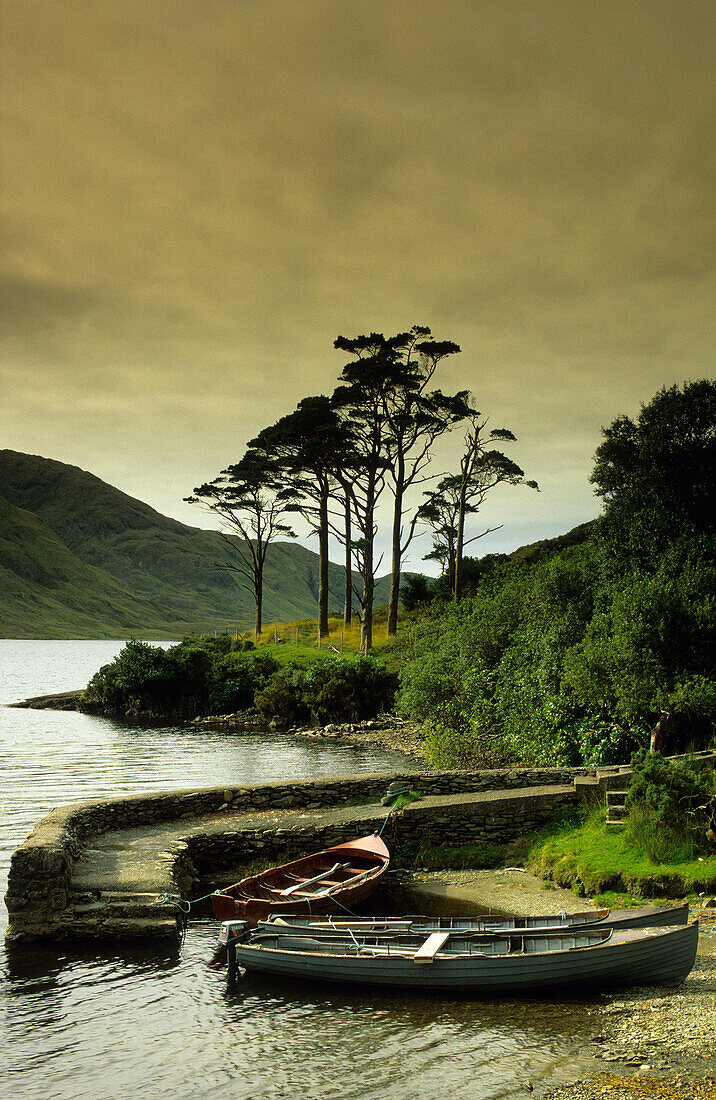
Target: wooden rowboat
[(482, 963), (647, 916), (325, 882)]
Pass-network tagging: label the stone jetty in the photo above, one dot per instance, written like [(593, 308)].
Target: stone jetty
[(100, 869)]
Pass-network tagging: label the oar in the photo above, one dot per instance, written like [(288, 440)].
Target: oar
[(310, 881)]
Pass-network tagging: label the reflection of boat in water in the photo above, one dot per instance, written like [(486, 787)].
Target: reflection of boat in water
[(644, 917), (478, 962), (325, 882)]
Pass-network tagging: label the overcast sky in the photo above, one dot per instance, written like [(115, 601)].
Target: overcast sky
[(198, 196)]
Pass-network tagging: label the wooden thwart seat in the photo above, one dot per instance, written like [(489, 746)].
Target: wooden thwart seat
[(323, 877), (427, 952)]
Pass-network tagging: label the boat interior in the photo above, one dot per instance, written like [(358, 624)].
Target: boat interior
[(318, 878), (426, 948), (419, 924)]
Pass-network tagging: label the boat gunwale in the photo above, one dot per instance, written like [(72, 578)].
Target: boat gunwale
[(635, 936)]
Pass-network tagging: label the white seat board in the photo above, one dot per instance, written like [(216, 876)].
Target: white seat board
[(427, 952)]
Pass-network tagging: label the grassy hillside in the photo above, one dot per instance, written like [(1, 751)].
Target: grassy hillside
[(45, 590), (79, 557)]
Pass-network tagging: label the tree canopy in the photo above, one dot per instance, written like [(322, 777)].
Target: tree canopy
[(656, 474)]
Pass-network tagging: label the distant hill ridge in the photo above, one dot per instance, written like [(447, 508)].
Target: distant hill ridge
[(79, 558)]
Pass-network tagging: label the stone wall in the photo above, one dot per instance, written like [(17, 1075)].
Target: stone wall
[(39, 883), (86, 819), (217, 857)]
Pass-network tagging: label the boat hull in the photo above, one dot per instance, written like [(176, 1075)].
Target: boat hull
[(643, 917), (254, 898), (661, 956)]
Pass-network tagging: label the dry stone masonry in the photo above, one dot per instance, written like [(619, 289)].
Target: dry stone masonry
[(100, 868)]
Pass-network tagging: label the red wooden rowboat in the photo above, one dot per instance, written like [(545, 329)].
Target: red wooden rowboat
[(325, 882)]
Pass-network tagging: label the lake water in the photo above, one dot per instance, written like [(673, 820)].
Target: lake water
[(158, 1021)]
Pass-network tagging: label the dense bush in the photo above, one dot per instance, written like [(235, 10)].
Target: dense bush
[(667, 808), (235, 680), (200, 675), (570, 652), (332, 690), (563, 662), (208, 675)]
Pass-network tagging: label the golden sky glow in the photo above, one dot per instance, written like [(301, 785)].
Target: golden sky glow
[(198, 197)]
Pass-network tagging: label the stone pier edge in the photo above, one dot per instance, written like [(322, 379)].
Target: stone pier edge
[(39, 894)]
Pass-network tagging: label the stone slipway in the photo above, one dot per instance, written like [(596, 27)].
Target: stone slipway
[(99, 869), (117, 882)]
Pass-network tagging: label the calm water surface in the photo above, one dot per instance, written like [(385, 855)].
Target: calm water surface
[(158, 1022)]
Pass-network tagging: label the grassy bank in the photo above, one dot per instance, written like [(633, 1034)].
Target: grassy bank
[(298, 641), (592, 859)]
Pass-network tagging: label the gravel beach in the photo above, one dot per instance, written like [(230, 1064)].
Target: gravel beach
[(646, 1042), (657, 1042)]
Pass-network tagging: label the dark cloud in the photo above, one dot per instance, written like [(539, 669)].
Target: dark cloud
[(199, 198), (28, 305)]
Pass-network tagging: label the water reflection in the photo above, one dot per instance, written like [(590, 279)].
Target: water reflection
[(158, 1021)]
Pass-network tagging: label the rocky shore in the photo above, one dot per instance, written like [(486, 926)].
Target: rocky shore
[(646, 1042), (62, 700), (388, 731), (655, 1042)]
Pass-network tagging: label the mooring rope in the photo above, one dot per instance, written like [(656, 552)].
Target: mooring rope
[(404, 790), (183, 903)]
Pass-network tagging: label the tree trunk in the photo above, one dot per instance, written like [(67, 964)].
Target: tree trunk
[(323, 565), (348, 601), (396, 552), (656, 743), (459, 542), (451, 570), (366, 626), (259, 597)]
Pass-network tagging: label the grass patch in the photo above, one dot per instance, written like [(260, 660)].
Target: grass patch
[(298, 641), (445, 857), (405, 799), (591, 859)]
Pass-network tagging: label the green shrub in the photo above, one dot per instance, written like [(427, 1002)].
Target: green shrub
[(567, 661), (334, 690), (139, 680), (666, 807), (235, 680), (600, 739), (283, 696), (451, 742), (200, 675)]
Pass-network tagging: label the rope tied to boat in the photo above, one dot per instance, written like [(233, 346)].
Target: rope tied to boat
[(184, 903), (397, 793)]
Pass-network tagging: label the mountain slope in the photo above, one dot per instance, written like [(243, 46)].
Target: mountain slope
[(45, 590), (77, 554)]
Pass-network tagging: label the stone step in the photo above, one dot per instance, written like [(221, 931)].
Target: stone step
[(122, 927), (586, 784), (614, 780), (125, 907), (616, 813), (616, 798)]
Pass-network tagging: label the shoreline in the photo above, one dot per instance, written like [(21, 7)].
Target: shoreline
[(654, 1041), (388, 731), (643, 1042)]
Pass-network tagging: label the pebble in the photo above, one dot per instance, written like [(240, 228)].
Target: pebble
[(662, 1040)]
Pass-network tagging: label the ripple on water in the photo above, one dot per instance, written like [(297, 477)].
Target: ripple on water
[(158, 1021)]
